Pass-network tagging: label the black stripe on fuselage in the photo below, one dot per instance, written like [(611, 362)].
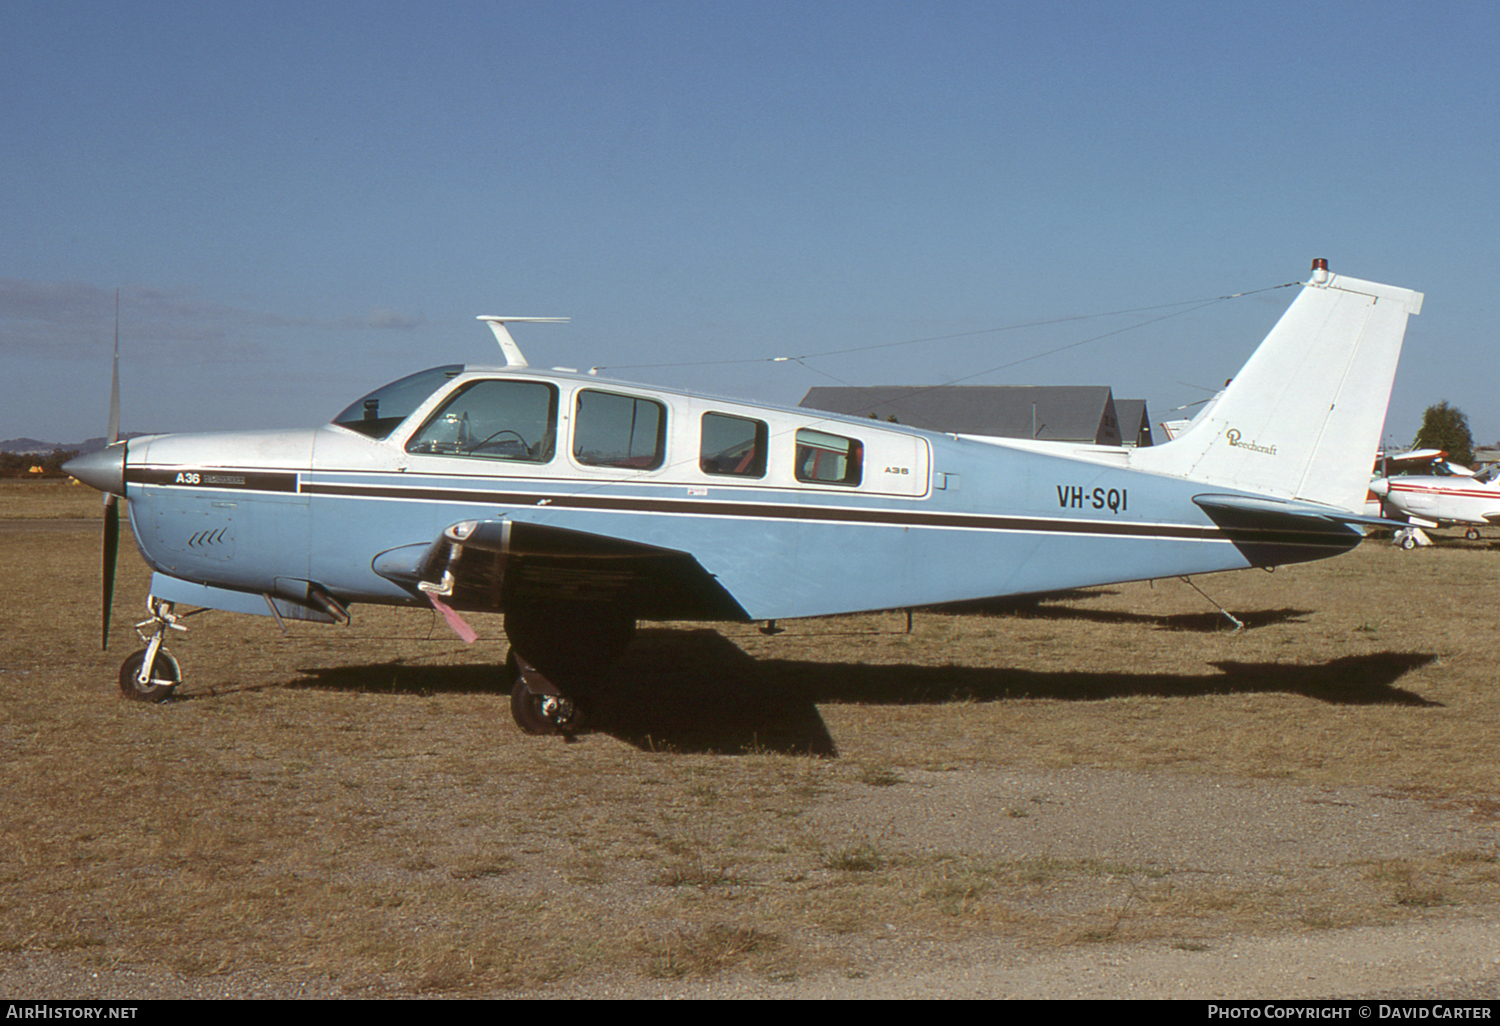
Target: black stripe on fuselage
[(215, 478), (230, 479), (1335, 537)]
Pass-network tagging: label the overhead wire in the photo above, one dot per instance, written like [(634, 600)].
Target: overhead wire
[(1193, 304)]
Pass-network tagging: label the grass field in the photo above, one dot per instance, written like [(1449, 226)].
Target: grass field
[(354, 805), (49, 498)]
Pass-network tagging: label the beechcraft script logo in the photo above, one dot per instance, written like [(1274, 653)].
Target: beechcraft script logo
[(1233, 437)]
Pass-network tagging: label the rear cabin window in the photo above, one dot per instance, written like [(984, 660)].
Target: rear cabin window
[(612, 430), (828, 459), (494, 420), (733, 445)]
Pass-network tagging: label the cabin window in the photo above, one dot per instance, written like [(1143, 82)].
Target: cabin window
[(828, 459), (494, 420), (733, 445), (612, 430), (378, 413)]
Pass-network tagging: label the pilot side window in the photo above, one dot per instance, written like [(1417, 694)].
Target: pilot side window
[(613, 430), (733, 445), (828, 459), (494, 420)]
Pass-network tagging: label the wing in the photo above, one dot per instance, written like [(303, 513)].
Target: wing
[(489, 565)]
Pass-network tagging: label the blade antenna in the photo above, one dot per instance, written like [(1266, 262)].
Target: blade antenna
[(513, 355)]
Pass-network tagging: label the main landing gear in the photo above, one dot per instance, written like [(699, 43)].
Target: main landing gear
[(536, 703), (558, 651), (151, 675)]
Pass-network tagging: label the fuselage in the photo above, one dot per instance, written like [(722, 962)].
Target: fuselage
[(791, 511), (1441, 498)]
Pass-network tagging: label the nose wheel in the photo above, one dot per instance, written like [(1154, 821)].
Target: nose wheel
[(152, 674), (153, 683)]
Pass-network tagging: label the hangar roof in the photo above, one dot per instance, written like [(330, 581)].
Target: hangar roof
[(1058, 413)]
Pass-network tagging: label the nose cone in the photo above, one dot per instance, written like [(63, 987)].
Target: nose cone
[(1379, 487), (104, 469)]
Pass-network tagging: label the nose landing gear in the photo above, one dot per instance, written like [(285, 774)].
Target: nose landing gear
[(152, 674)]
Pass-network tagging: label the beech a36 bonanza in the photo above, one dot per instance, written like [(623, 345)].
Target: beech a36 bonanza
[(578, 506)]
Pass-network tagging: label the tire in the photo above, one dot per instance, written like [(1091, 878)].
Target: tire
[(164, 678), (530, 712)]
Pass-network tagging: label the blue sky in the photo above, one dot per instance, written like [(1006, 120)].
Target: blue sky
[(301, 201)]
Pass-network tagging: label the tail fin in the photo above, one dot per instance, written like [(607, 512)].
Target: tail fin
[(1302, 419)]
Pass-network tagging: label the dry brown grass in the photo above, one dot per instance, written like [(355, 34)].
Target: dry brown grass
[(46, 498), (354, 805)]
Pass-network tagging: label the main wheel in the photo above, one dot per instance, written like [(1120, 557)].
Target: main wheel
[(544, 714), (1472, 534), (1409, 542), (162, 680)]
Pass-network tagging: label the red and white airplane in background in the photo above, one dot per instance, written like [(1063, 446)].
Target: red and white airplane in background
[(1431, 491)]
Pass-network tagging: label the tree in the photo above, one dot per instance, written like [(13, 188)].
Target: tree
[(53, 464), (1445, 427)]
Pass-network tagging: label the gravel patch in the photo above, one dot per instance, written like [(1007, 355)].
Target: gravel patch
[(1249, 837)]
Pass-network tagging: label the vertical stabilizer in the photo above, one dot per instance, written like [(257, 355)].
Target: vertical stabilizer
[(1303, 417)]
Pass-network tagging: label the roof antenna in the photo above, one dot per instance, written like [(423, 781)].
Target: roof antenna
[(513, 357)]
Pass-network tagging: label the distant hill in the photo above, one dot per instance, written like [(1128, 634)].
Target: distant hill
[(35, 447)]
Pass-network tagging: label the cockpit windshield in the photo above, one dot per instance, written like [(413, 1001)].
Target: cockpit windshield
[(378, 413)]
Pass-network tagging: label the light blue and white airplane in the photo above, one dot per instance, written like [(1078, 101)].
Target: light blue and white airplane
[(578, 506)]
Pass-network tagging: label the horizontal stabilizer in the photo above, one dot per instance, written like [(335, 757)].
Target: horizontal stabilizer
[(1278, 513)]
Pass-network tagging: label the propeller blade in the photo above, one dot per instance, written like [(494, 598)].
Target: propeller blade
[(111, 501), (111, 551), (114, 386)]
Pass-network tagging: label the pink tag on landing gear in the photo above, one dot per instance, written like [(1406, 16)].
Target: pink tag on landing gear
[(455, 621)]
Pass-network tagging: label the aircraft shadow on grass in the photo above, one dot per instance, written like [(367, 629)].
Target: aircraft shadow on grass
[(694, 691), (1049, 607)]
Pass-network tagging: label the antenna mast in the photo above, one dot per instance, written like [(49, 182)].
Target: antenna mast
[(513, 356)]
